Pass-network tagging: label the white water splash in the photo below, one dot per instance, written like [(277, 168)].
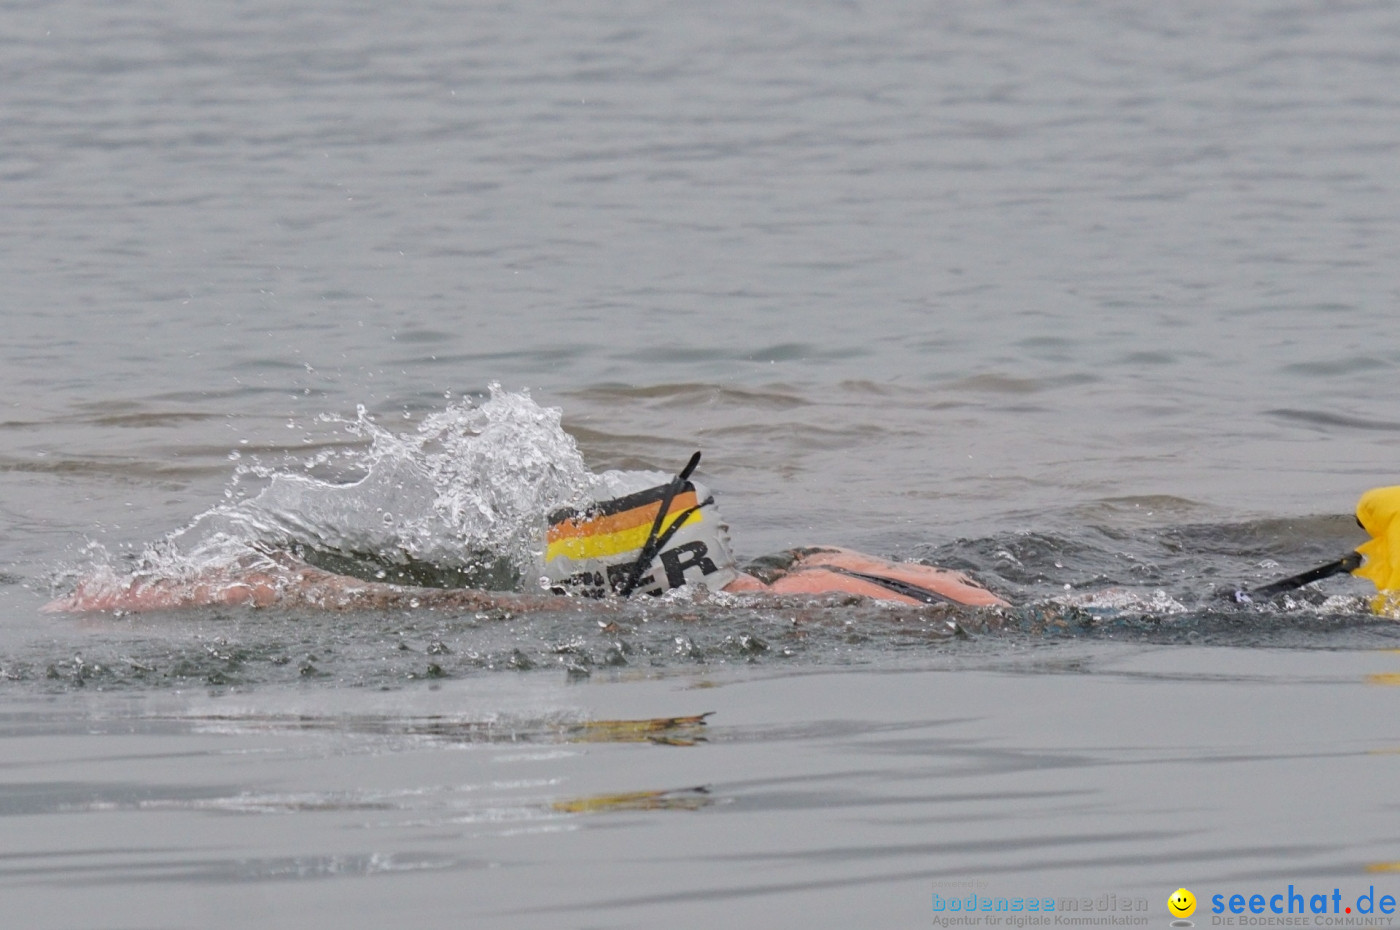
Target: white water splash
[(471, 489), (1118, 600)]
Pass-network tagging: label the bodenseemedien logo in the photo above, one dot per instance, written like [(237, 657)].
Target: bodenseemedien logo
[(1027, 912)]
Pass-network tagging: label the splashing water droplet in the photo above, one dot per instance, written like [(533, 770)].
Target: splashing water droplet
[(468, 492)]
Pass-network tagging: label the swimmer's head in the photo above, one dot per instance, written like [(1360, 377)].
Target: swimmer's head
[(598, 551)]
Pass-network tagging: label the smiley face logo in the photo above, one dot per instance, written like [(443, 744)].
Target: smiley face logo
[(1182, 903)]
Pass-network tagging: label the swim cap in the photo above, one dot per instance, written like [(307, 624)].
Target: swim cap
[(617, 546)]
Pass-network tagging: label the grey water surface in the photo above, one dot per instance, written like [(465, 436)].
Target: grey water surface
[(1094, 300)]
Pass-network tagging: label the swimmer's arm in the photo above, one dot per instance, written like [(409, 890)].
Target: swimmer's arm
[(291, 583), (747, 584)]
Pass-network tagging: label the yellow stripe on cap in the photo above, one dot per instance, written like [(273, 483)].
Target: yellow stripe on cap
[(578, 547)]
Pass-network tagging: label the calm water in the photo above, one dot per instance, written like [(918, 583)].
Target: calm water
[(1079, 297)]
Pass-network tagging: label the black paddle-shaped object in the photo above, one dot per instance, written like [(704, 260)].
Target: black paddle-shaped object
[(1347, 563)]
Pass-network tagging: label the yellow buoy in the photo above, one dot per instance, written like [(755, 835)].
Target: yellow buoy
[(1379, 514)]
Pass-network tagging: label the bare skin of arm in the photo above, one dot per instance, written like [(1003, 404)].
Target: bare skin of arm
[(288, 583)]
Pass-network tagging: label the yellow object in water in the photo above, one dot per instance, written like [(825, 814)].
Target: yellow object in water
[(1379, 514)]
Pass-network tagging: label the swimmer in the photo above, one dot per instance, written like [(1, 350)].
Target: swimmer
[(815, 571), (648, 542)]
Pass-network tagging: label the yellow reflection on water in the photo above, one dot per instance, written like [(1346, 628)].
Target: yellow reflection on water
[(687, 799), (671, 731)]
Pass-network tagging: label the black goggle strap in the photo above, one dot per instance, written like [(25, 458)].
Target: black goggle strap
[(655, 538)]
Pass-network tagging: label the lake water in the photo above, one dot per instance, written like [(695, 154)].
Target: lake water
[(1095, 301)]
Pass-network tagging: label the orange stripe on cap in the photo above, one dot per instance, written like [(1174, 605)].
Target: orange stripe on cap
[(583, 526)]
